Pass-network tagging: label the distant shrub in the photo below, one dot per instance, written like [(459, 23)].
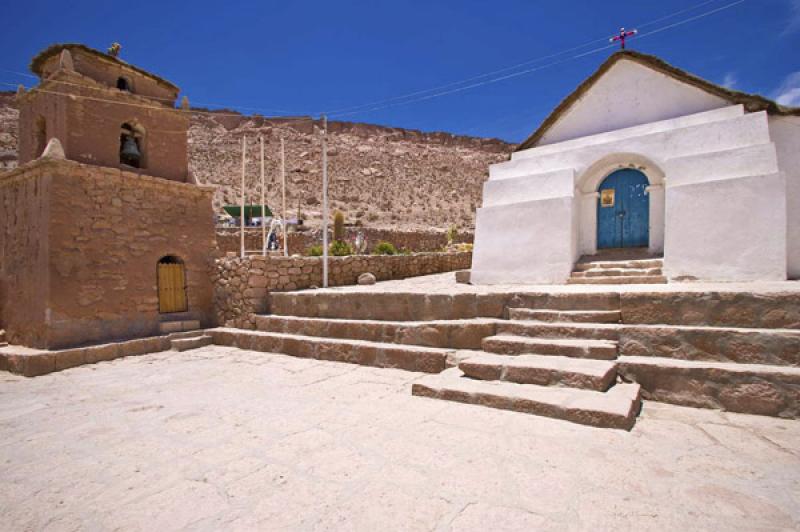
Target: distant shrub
[(340, 248), (384, 248), (337, 248), (452, 232)]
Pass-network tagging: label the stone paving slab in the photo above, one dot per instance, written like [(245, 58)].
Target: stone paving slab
[(616, 408), (221, 438), (543, 370)]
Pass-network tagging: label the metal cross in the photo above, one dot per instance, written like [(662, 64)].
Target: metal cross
[(622, 36)]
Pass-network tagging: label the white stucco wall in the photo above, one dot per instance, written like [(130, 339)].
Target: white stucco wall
[(527, 242), (629, 94), (724, 187), (574, 171), (727, 229), (785, 133)]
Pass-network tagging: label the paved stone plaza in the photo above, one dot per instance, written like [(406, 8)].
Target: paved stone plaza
[(218, 438)]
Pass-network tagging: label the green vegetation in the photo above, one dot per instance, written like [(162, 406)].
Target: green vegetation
[(336, 249), (340, 248), (384, 248), (452, 232), (338, 226)]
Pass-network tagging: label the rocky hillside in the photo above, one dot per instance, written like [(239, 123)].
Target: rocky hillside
[(380, 177)]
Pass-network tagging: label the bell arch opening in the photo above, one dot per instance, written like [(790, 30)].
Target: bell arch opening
[(124, 84), (131, 145)]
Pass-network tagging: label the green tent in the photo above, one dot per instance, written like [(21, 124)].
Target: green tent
[(250, 211)]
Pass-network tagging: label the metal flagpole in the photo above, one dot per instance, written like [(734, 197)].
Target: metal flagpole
[(241, 213), (324, 202), (283, 193), (263, 225)]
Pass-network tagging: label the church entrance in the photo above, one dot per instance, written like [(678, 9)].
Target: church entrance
[(171, 285), (623, 210)]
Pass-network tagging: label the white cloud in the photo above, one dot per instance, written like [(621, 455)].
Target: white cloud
[(794, 17), (730, 81), (789, 91)]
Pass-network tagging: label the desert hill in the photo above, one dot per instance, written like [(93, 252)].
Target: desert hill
[(379, 176)]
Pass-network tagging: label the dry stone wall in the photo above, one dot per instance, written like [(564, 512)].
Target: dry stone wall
[(228, 239), (241, 285)]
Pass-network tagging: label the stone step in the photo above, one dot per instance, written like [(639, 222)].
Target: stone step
[(520, 345), (377, 354), (713, 344), (620, 264), (618, 279), (541, 370), (575, 331), (184, 344), (167, 327), (456, 334), (566, 301), (565, 316), (616, 408), (626, 272), (747, 388)]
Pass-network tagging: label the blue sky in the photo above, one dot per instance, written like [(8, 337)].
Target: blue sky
[(307, 57)]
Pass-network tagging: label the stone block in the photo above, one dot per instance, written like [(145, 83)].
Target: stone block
[(69, 358), (99, 353)]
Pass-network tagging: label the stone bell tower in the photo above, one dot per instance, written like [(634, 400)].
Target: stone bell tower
[(103, 234), (104, 112)]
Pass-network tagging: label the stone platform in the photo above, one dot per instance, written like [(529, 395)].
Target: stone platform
[(560, 351), (729, 346)]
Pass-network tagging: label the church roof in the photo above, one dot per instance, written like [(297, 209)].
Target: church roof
[(37, 63), (751, 102)]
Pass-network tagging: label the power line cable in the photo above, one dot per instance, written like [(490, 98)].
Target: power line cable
[(513, 67), (535, 69)]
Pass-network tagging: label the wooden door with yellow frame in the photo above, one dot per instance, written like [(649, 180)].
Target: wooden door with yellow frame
[(171, 285)]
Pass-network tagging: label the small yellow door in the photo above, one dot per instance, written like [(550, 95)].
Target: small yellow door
[(171, 287)]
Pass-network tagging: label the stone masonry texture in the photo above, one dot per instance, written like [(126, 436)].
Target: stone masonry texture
[(81, 246), (241, 285)]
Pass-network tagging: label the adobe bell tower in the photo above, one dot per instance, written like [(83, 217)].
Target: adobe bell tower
[(104, 112), (104, 236)]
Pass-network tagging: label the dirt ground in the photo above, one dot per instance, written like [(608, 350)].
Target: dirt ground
[(220, 438)]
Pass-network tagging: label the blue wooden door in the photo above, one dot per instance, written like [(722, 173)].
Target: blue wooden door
[(623, 211)]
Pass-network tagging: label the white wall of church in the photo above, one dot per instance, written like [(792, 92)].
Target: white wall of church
[(785, 133), (727, 230), (629, 94), (526, 242), (704, 172)]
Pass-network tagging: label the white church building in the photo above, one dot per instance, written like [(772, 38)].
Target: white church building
[(645, 155)]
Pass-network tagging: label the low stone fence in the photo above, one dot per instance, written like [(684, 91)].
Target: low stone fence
[(228, 239), (241, 285)]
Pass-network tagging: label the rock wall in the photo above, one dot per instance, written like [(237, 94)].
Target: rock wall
[(241, 285), (100, 234), (415, 241)]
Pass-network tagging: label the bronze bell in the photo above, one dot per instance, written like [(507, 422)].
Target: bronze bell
[(130, 153)]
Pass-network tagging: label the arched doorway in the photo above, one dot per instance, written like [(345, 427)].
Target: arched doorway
[(623, 210), (171, 285)]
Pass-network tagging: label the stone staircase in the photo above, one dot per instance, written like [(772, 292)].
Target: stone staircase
[(625, 266), (585, 357), (563, 366)]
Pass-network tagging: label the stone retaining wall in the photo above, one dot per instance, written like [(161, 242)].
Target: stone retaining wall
[(241, 285), (228, 239)]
